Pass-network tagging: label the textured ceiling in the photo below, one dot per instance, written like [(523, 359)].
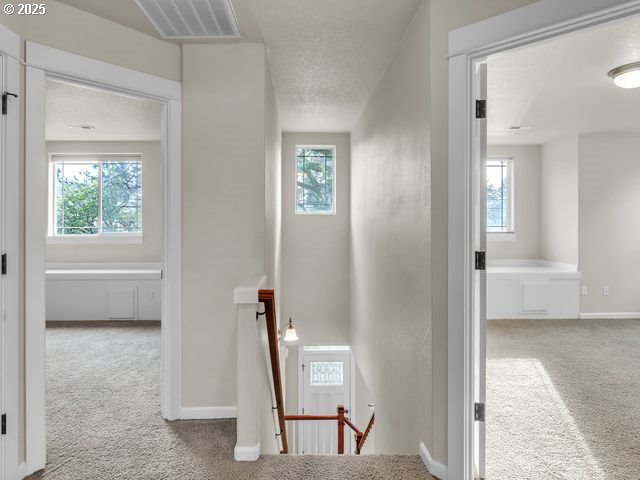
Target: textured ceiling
[(114, 117), (326, 56), (561, 87)]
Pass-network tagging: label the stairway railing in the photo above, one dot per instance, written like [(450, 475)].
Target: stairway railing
[(342, 421), (267, 297)]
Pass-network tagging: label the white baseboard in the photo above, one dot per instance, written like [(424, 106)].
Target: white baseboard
[(610, 316), (436, 469), (246, 454), (208, 413), (534, 317), (22, 471)]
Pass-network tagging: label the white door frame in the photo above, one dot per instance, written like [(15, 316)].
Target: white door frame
[(542, 20), (352, 386), (43, 62), (10, 244)]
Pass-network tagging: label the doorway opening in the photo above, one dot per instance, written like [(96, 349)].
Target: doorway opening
[(560, 292), (325, 381), (93, 199), (468, 201), (103, 264)]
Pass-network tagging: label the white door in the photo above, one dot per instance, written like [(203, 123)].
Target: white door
[(326, 384), (480, 277), (3, 363)]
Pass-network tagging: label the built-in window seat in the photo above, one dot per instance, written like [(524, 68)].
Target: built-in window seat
[(103, 291), (535, 289)]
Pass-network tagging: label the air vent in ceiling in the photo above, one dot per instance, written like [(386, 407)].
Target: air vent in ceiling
[(192, 19)]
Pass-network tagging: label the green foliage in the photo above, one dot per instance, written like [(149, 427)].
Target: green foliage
[(121, 197), (78, 198), (77, 213), (315, 178)]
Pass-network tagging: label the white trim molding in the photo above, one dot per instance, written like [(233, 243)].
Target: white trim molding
[(10, 245), (87, 70), (436, 469), (99, 239), (246, 454), (611, 316), (46, 62), (208, 413), (502, 237), (468, 46)]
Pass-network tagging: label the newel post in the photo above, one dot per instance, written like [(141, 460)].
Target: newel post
[(245, 297), (340, 430)]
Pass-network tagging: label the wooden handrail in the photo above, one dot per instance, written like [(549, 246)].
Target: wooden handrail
[(302, 418), (342, 420), (363, 437), (267, 297)]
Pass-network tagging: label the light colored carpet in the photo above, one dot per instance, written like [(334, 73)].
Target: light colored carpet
[(563, 400), (104, 422)]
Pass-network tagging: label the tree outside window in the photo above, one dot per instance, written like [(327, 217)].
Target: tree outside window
[(97, 197), (315, 180)]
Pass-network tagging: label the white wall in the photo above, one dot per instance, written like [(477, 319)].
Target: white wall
[(273, 252), (609, 227), (559, 200), (315, 272), (526, 165), (391, 330), (445, 15), (223, 208), (151, 248), (316, 250)]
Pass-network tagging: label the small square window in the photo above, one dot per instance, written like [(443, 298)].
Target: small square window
[(315, 180)]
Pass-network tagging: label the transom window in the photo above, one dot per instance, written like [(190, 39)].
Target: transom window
[(96, 195), (500, 195), (315, 180)]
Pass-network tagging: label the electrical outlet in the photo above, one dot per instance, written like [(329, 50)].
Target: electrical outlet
[(585, 291), (605, 291)]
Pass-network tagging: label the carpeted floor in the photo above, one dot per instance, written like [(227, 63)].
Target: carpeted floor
[(563, 400), (104, 423)]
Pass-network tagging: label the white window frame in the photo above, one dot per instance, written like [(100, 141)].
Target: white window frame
[(335, 178), (510, 234), (100, 238)]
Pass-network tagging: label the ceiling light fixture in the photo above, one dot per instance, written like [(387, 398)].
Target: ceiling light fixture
[(626, 76)]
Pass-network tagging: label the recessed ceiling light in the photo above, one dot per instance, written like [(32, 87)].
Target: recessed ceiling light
[(626, 76), (83, 127)]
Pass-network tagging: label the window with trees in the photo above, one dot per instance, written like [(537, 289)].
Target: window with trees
[(315, 180), (96, 195), (500, 195)]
